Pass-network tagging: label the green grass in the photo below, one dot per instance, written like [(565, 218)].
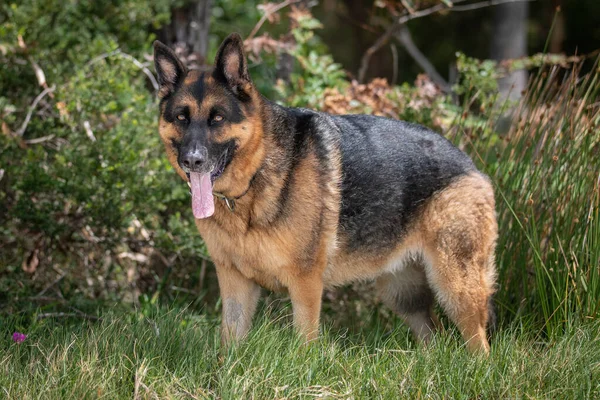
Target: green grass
[(546, 172), (175, 354)]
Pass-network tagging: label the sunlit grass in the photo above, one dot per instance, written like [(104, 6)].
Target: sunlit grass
[(175, 354)]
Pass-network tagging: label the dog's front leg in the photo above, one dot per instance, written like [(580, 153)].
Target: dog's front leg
[(306, 293), (239, 297)]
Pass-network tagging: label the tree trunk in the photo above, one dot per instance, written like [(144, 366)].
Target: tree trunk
[(199, 28), (188, 32), (510, 41), (557, 37)]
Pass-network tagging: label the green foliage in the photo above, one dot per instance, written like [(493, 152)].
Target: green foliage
[(545, 169), (317, 71), (476, 74), (99, 176)]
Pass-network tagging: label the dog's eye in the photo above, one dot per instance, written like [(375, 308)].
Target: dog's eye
[(181, 117), (217, 118)]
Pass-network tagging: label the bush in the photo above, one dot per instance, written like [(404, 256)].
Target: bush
[(86, 189)]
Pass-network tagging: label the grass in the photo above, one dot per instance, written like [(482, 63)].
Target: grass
[(175, 354), (546, 172)]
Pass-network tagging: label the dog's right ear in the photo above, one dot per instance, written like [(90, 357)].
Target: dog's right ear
[(169, 68)]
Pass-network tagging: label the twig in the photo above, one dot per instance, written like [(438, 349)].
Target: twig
[(267, 14), (141, 66), (102, 57), (39, 97), (88, 131), (405, 38), (394, 64), (39, 140), (393, 28), (66, 315), (135, 61), (60, 278), (482, 4)]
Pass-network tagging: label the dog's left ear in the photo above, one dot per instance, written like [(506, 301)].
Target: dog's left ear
[(169, 68), (231, 67)]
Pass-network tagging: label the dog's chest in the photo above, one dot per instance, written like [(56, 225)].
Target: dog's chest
[(260, 255)]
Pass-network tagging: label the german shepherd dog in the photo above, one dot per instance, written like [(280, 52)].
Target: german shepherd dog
[(298, 200)]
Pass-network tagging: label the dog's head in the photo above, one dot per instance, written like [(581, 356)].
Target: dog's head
[(210, 123)]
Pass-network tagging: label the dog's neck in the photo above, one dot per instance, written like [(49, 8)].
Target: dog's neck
[(269, 161)]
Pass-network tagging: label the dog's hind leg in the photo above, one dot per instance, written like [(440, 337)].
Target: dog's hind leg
[(460, 235), (408, 294), (466, 299)]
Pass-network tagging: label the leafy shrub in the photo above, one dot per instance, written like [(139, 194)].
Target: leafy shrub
[(86, 189)]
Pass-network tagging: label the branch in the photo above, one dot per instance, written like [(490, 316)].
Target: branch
[(40, 140), (135, 61), (395, 27), (60, 278), (39, 97), (389, 32), (405, 38), (366, 58), (489, 3), (267, 14), (39, 72), (141, 66)]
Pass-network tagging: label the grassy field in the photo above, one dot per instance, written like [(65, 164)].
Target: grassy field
[(175, 354)]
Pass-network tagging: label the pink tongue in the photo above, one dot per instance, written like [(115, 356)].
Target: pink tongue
[(203, 204)]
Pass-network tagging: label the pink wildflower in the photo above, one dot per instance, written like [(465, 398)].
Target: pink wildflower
[(19, 337)]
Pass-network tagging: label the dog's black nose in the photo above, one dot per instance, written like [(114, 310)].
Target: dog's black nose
[(194, 160)]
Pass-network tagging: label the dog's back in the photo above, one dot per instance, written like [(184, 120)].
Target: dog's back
[(390, 169)]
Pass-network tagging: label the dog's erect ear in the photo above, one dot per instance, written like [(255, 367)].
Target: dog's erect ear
[(169, 68), (231, 67)]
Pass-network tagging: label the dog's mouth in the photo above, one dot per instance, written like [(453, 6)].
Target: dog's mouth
[(220, 166), (201, 186)]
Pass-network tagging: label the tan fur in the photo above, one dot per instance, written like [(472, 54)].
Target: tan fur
[(460, 232), (456, 236), (449, 248), (169, 132), (236, 179)]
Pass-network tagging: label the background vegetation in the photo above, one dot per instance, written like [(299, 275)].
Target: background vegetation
[(92, 217)]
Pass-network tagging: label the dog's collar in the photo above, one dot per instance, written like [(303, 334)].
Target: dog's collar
[(229, 201)]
